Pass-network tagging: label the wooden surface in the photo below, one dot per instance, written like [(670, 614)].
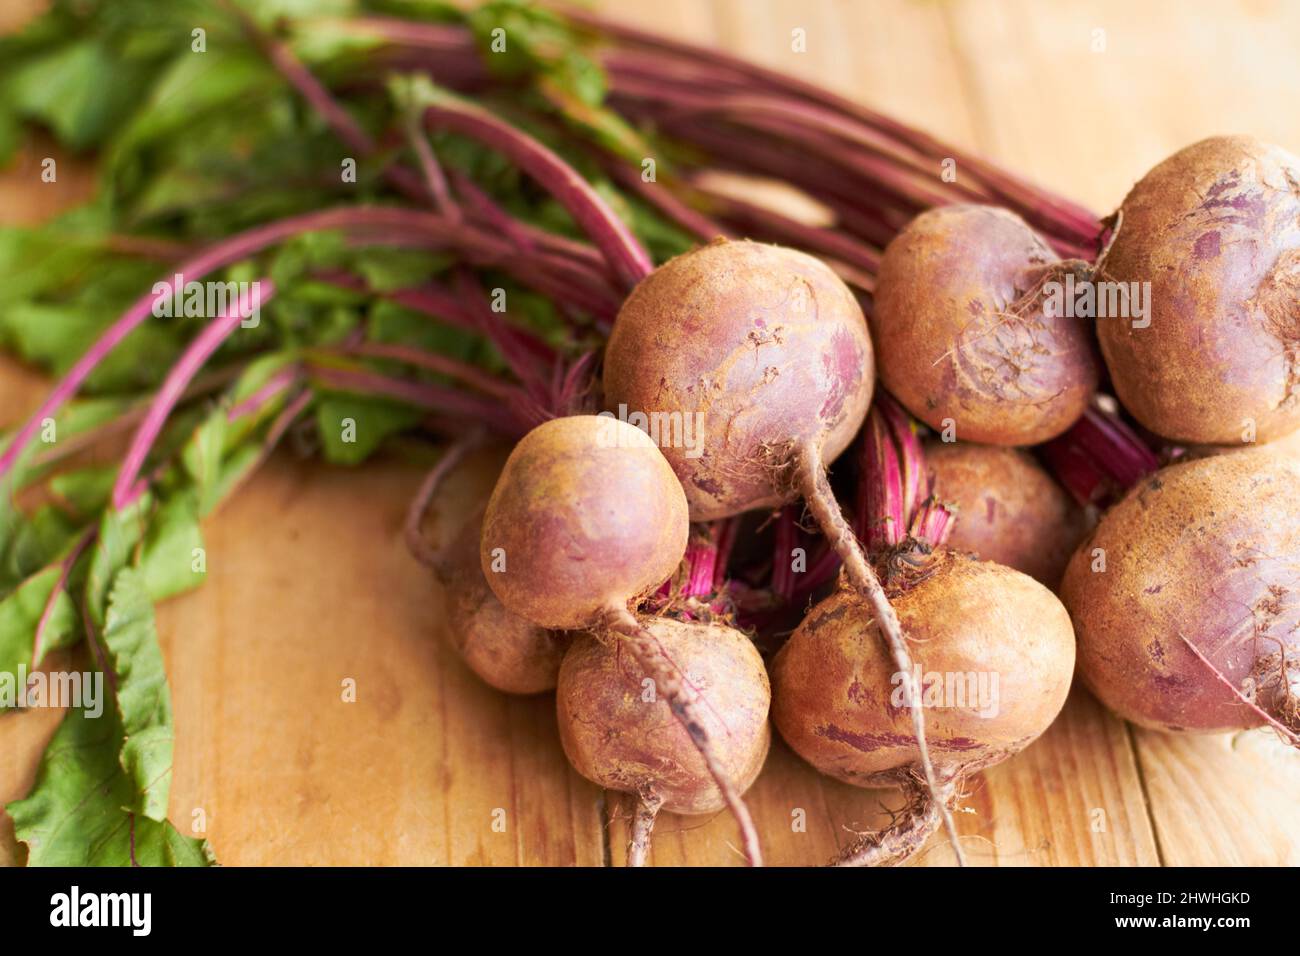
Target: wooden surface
[(309, 583)]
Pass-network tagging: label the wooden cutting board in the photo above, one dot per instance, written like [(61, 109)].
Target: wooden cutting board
[(309, 584)]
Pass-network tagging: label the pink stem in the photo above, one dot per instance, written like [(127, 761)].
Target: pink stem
[(933, 523), (277, 383), (65, 569), (432, 169), (702, 561), (663, 197), (1068, 218), (494, 215), (435, 229), (881, 519), (893, 494), (283, 421), (222, 254), (729, 529), (470, 292), (421, 395), (787, 537), (292, 69), (440, 38), (1099, 458), (822, 568), (436, 362), (127, 489), (903, 430), (623, 250), (413, 527), (441, 303), (864, 262)]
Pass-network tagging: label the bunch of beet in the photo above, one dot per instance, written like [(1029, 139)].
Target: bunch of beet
[(951, 348), (948, 561), (993, 322), (768, 352)]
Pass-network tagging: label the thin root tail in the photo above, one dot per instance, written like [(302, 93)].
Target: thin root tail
[(816, 491), (684, 702)]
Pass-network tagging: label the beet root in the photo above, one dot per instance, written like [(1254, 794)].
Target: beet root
[(1009, 510), (763, 353), (1215, 230), (994, 651), (587, 515), (585, 521), (618, 732), (1191, 622), (758, 352), (963, 335), (506, 651)]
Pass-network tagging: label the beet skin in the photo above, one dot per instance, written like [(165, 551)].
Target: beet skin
[(1215, 230), (963, 335)]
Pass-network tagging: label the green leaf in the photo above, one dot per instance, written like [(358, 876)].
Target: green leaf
[(389, 322), (36, 542), (269, 11), (202, 459), (119, 534), (56, 335), (387, 270), (85, 490), (143, 700), (74, 814), (11, 133), (352, 427), (80, 90), (258, 374), (193, 87), (20, 615), (167, 553), (73, 419)]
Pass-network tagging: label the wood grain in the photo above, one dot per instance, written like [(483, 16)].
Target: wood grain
[(309, 584)]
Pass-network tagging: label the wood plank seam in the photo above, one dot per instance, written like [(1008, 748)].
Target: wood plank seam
[(1146, 795)]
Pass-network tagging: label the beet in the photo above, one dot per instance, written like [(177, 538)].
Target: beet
[(1192, 624), (504, 650), (586, 520), (991, 634), (764, 347), (620, 737), (586, 516), (1215, 230), (1008, 508), (762, 355), (962, 334)]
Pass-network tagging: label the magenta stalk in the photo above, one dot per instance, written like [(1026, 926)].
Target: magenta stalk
[(609, 233), (127, 489)]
